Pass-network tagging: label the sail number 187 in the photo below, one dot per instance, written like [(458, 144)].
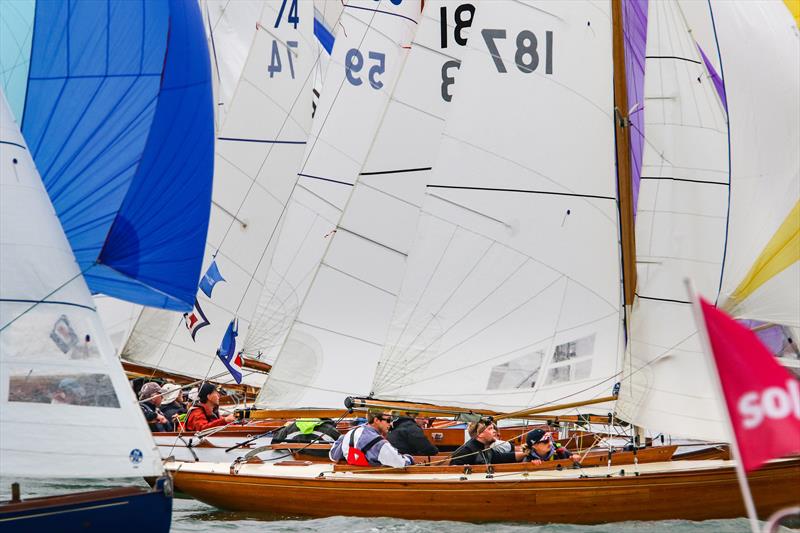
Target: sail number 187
[(528, 55)]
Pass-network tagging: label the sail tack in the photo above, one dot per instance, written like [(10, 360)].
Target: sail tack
[(66, 408), (119, 119)]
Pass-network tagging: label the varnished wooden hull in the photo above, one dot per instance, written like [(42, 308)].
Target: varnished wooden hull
[(692, 494)]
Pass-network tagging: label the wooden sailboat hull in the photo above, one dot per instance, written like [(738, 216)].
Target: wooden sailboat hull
[(126, 509), (677, 491)]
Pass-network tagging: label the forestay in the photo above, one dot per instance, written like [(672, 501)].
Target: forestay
[(512, 292), (66, 409), (259, 150), (318, 339), (680, 230)]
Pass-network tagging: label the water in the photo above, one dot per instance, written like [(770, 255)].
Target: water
[(192, 516)]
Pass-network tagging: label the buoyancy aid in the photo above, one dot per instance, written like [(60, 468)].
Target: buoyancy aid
[(359, 457)]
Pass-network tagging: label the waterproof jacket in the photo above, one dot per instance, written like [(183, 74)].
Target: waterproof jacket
[(201, 417), (409, 438), (151, 412), (381, 452), (556, 452), (473, 452), (314, 430), (172, 409)]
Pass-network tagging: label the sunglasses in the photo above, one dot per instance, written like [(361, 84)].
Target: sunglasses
[(384, 418)]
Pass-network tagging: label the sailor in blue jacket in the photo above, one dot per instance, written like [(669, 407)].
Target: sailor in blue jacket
[(367, 445), (541, 448)]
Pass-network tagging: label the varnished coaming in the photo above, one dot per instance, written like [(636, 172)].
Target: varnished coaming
[(688, 495)]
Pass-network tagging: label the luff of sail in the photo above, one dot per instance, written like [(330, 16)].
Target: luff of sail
[(512, 295), (63, 395), (119, 118), (258, 152), (319, 342), (680, 232)]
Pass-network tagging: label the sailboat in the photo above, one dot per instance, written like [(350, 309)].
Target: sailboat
[(520, 288), (67, 410)]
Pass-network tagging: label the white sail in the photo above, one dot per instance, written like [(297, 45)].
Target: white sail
[(258, 152), (512, 292), (66, 409), (680, 231), (322, 338), (230, 30), (762, 264)]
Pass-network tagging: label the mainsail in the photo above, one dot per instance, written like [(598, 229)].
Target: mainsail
[(63, 394), (512, 293), (259, 148), (119, 118), (314, 270)]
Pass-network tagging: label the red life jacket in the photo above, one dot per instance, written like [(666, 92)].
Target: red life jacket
[(359, 457)]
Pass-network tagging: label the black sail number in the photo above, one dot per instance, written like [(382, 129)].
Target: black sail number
[(527, 57)]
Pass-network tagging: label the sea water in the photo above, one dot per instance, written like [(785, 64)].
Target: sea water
[(190, 515)]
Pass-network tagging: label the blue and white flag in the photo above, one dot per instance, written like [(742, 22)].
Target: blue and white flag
[(227, 351), (196, 319), (211, 278)]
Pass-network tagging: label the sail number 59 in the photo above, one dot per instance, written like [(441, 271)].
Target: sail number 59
[(527, 56)]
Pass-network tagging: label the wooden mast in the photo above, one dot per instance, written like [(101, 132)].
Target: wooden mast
[(624, 179)]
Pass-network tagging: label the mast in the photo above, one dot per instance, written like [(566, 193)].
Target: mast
[(623, 137)]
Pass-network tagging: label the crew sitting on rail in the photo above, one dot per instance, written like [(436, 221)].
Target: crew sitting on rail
[(205, 414), (540, 447), (480, 449), (149, 400), (367, 445), (308, 431), (407, 436)]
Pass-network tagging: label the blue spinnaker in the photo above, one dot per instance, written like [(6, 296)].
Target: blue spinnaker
[(119, 118)]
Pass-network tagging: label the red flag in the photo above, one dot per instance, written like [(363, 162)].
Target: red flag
[(763, 398)]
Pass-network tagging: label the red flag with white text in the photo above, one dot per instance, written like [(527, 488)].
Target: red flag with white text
[(762, 397)]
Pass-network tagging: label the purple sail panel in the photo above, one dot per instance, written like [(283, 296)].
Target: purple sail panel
[(634, 22), (718, 83)]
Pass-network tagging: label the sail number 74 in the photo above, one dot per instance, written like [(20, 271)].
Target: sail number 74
[(527, 57)]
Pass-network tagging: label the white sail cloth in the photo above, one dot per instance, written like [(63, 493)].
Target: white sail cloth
[(512, 292), (66, 409), (333, 284), (258, 152), (680, 231), (686, 226)]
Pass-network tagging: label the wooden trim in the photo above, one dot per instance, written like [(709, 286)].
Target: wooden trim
[(624, 173)]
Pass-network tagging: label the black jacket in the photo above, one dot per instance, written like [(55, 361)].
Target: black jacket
[(409, 438), (150, 412), (474, 453), (172, 409)]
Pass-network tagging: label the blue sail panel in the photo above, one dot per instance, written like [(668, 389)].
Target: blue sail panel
[(119, 119), (168, 204)]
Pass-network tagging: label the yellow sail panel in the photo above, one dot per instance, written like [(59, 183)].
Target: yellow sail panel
[(794, 8), (779, 253)]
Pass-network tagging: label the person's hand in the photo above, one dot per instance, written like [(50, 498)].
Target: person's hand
[(161, 419), (229, 418), (575, 458), (536, 461)]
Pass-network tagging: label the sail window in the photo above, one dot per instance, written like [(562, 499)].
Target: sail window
[(572, 361), (519, 373), (95, 390)]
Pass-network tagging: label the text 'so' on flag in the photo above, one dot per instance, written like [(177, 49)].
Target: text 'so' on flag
[(762, 397)]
